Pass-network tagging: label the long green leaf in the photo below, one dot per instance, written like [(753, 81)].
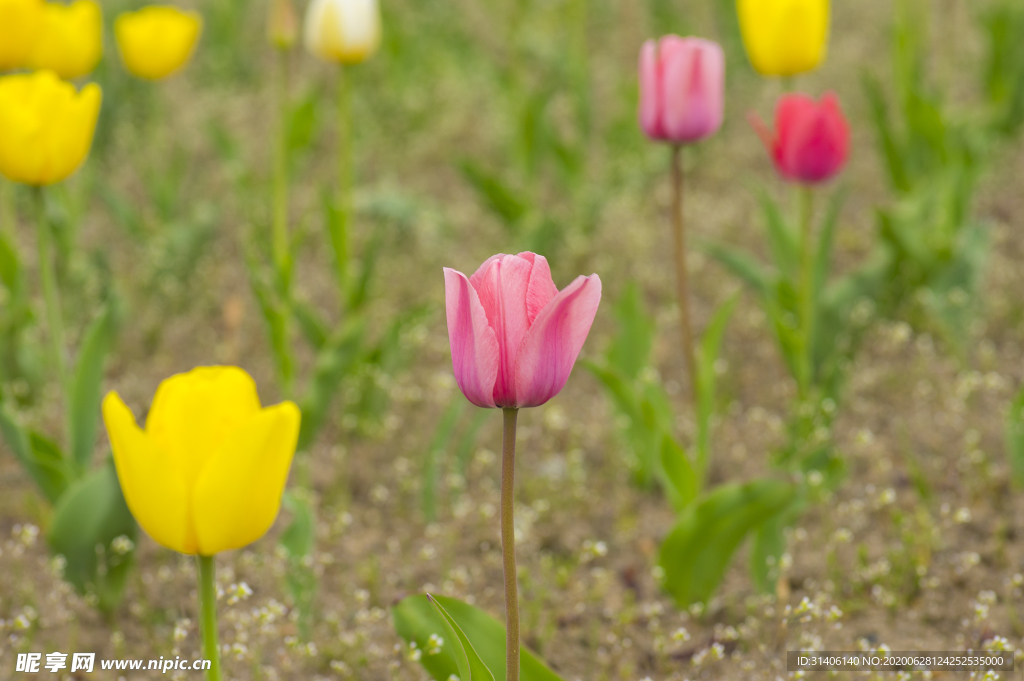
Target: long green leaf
[(86, 388), (90, 515), (743, 266), (416, 619), (781, 238), (40, 458), (333, 362), (680, 473), (707, 380), (697, 551), (471, 667)]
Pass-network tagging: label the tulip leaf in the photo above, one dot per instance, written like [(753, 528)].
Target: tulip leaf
[(502, 200), (87, 520), (697, 551), (770, 544), (630, 350), (86, 388), (1015, 438), (415, 619), (679, 472), (40, 458), (299, 537), (471, 667), (333, 362), (708, 354)]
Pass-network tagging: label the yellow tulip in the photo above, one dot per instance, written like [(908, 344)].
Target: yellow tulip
[(47, 127), (20, 22), (345, 31), (207, 473), (71, 40), (158, 40), (784, 37)]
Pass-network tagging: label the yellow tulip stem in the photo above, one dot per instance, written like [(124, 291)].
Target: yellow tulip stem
[(682, 277), (281, 248), (807, 293), (340, 229), (7, 213), (508, 545), (787, 84), (51, 295), (208, 614)]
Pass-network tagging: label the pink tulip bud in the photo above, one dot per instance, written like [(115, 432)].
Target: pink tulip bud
[(811, 141), (514, 336), (682, 89)]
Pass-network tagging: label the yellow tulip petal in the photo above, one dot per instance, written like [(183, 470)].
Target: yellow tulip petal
[(152, 483), (48, 127), (238, 494), (71, 40), (20, 24), (157, 41), (784, 37), (193, 414)]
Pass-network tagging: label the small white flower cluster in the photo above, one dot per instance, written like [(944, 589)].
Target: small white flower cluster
[(592, 549), (238, 592), (434, 644)]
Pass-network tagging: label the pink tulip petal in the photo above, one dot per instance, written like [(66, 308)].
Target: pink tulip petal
[(553, 343), (541, 288), (473, 342), (502, 289), (694, 90), (650, 93)]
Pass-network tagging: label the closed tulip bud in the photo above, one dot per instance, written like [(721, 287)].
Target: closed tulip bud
[(784, 37), (71, 40), (20, 23), (682, 89), (282, 24), (47, 127), (811, 140), (344, 31), (514, 336), (157, 41), (207, 473)]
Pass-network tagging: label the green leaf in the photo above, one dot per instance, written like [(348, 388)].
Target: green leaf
[(770, 544), (312, 326), (630, 350), (86, 521), (333, 363), (781, 238), (679, 472), (743, 266), (10, 267), (40, 458), (502, 200), (415, 619), (302, 120), (300, 535), (707, 378), (471, 667), (890, 147), (86, 388), (432, 460), (697, 551)]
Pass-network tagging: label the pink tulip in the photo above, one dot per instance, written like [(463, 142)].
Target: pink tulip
[(514, 336), (682, 89), (811, 140)]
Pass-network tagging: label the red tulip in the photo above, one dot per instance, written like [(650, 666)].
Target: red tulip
[(514, 336), (682, 89), (811, 142)]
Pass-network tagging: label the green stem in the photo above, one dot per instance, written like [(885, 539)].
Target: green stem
[(281, 248), (682, 278), (7, 214), (807, 292), (508, 546), (343, 204), (44, 239), (208, 614)]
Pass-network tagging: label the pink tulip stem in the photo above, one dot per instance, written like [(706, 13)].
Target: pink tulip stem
[(340, 228), (281, 247), (51, 295), (508, 546), (208, 614), (807, 293), (682, 279)]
